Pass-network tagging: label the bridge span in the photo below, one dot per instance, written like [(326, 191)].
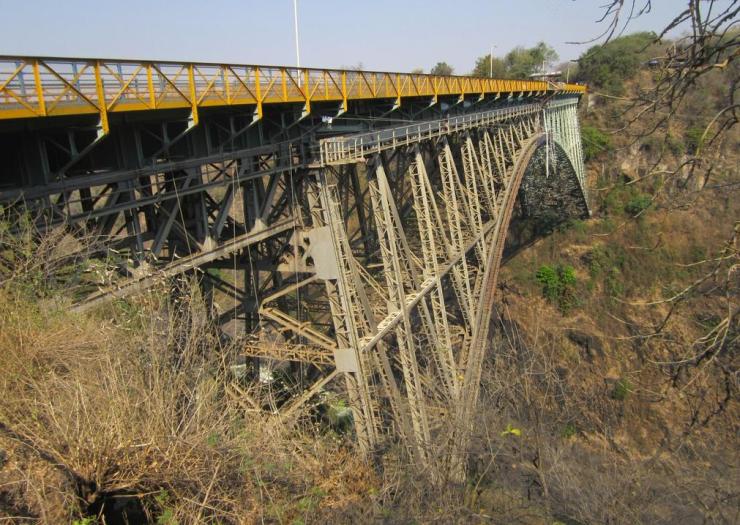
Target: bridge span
[(346, 227)]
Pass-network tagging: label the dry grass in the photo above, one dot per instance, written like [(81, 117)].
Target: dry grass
[(128, 406)]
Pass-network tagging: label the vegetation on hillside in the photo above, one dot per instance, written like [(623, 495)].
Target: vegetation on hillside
[(606, 67), (609, 395), (134, 410)]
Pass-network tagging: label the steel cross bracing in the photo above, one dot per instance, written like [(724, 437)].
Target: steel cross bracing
[(370, 257), (410, 308)]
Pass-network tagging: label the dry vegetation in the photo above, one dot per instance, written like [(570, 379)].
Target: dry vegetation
[(125, 412), (626, 398), (617, 405)]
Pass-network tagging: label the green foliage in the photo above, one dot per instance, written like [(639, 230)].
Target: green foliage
[(558, 285), (607, 261), (213, 439), (613, 282), (622, 389), (522, 62), (569, 430), (442, 69), (167, 515), (85, 521), (577, 228), (694, 139), (607, 66), (675, 145), (626, 199), (548, 278), (483, 67), (311, 501), (519, 63), (340, 416), (595, 142), (215, 272), (638, 204)]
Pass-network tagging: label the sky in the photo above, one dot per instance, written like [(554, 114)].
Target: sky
[(383, 35)]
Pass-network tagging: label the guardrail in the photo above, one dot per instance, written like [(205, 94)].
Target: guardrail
[(42, 87), (353, 148)]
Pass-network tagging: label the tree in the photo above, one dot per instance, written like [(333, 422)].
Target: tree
[(483, 67), (700, 64), (607, 66), (520, 62), (417, 71), (442, 69)]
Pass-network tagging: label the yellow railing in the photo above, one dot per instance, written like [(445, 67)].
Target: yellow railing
[(41, 87)]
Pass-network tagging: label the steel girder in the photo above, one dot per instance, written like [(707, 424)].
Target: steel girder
[(32, 87), (374, 261), (410, 315)]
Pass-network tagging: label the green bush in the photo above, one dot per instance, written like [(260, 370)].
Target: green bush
[(675, 144), (594, 141), (607, 262), (622, 388), (614, 200), (638, 204), (569, 430), (694, 139), (548, 278), (558, 285), (613, 283)]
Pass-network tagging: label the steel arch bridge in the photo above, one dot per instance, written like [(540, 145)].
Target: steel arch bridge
[(347, 227)]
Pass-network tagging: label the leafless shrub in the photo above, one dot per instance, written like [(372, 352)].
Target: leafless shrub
[(553, 442), (128, 406)]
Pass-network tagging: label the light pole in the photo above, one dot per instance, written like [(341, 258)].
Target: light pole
[(295, 25), (491, 61)]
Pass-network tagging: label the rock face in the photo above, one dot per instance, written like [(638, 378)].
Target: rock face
[(591, 345)]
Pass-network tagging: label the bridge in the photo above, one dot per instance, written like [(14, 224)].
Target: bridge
[(346, 227)]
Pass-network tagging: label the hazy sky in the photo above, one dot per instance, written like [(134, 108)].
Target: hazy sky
[(390, 35)]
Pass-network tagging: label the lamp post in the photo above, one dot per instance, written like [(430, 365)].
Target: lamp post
[(491, 61), (295, 25)]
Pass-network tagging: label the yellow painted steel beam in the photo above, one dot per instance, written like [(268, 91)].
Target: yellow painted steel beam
[(102, 104), (39, 89), (33, 87)]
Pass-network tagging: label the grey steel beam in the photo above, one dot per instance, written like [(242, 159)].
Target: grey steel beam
[(185, 264)]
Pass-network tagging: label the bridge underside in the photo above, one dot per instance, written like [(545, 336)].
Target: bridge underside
[(355, 254)]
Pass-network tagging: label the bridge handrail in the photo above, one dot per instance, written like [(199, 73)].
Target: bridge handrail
[(347, 149), (49, 86)]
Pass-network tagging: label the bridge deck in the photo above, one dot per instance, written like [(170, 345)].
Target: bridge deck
[(40, 87)]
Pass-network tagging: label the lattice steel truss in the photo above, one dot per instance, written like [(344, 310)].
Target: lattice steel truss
[(370, 257), (412, 223)]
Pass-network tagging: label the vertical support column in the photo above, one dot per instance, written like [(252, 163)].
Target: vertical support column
[(472, 178), (486, 172), (395, 278), (431, 251), (348, 315), (450, 181)]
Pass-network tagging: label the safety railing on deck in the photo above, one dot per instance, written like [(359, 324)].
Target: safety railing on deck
[(40, 87), (353, 148)]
